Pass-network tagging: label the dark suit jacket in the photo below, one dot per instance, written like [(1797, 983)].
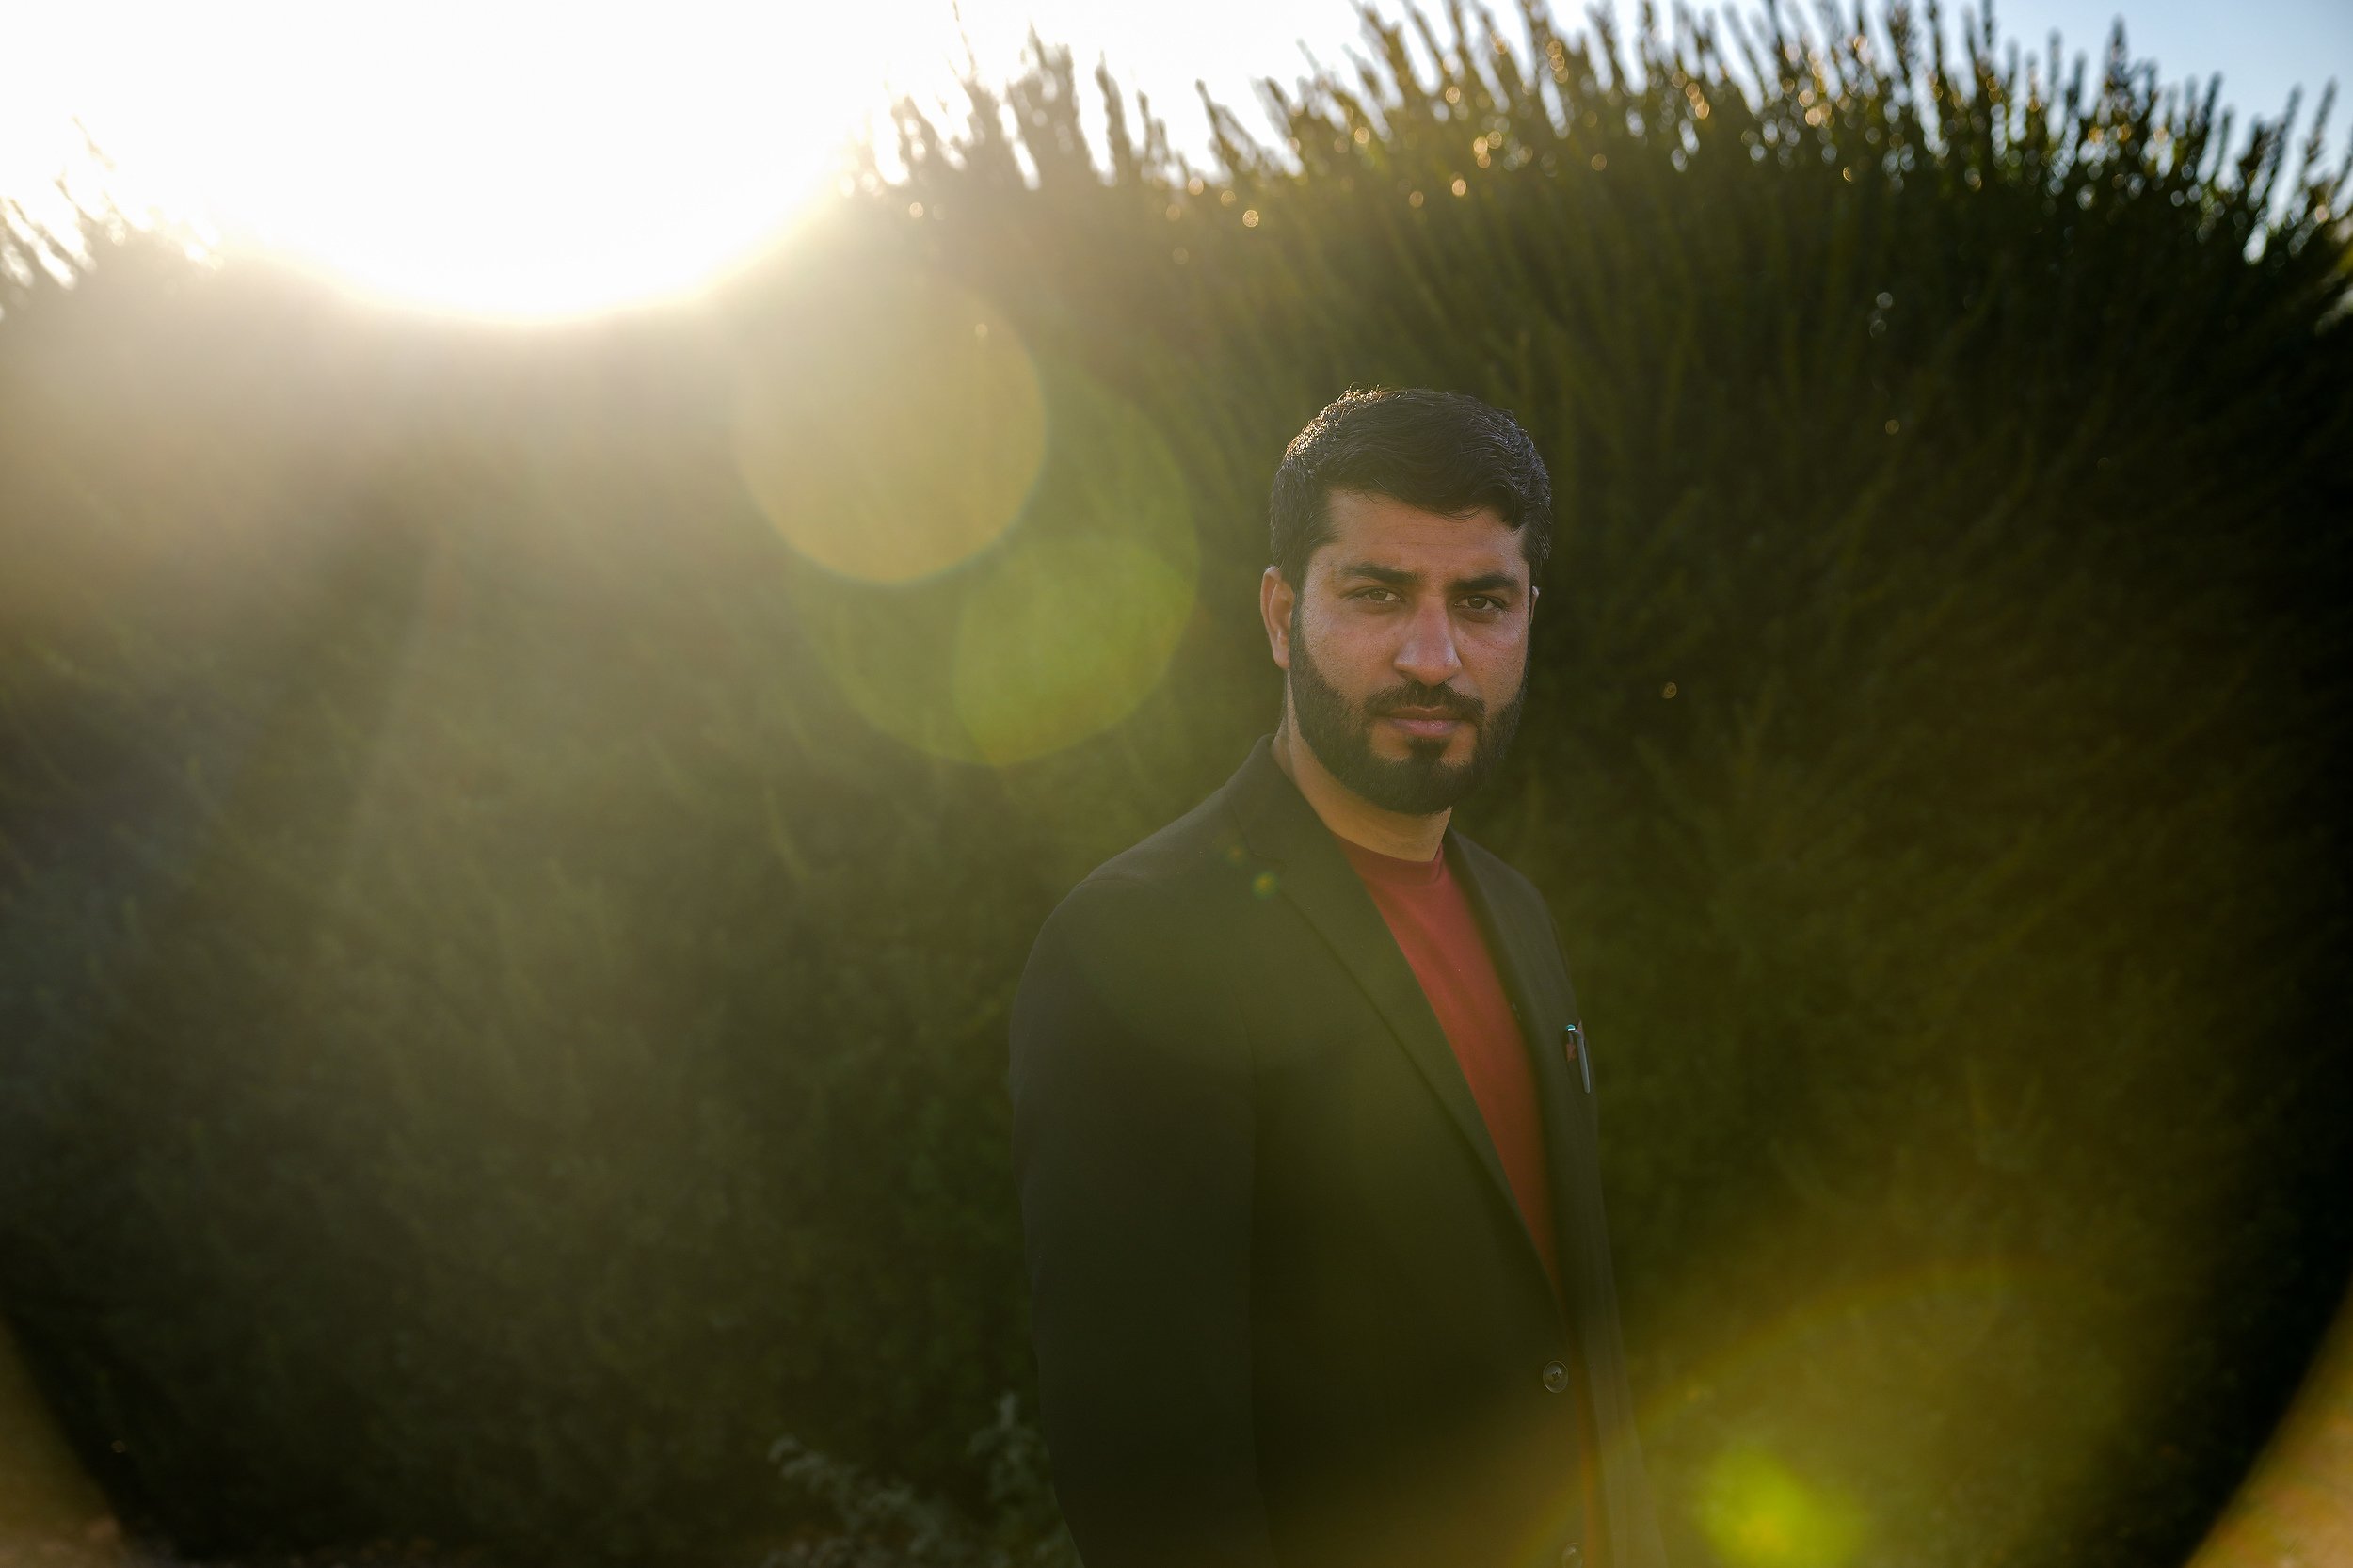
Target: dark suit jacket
[(1286, 1312)]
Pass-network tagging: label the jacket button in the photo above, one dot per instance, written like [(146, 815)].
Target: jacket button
[(1570, 1556), (1556, 1376)]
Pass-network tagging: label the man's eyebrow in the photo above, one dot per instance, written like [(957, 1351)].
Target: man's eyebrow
[(1397, 577)]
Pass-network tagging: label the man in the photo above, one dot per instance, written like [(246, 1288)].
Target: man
[(1303, 1123)]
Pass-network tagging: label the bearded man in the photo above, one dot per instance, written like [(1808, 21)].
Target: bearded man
[(1304, 1121)]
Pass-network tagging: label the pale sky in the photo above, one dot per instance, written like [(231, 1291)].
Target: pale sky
[(543, 157)]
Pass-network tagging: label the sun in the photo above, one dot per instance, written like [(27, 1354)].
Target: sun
[(531, 160)]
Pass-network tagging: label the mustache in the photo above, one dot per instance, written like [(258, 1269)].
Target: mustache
[(1445, 699)]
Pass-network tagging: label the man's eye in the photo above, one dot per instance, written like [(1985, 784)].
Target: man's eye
[(1368, 593), (1483, 603)]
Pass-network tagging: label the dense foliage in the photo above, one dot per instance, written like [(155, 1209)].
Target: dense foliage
[(503, 954)]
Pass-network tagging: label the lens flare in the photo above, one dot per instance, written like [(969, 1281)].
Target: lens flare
[(1066, 643), (2297, 1506), (1058, 629), (1906, 1390), (889, 425), (45, 1496), (1759, 1514)]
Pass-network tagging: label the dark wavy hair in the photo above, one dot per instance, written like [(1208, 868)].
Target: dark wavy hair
[(1443, 452)]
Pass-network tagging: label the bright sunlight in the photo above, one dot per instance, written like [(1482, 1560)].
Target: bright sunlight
[(533, 159), (537, 160)]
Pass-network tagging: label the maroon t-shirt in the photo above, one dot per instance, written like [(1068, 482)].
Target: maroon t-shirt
[(1433, 925)]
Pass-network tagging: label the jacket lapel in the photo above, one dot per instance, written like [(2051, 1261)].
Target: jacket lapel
[(1531, 973), (1545, 999), (1533, 980), (1312, 871)]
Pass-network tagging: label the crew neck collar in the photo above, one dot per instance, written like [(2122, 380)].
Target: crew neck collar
[(1377, 867)]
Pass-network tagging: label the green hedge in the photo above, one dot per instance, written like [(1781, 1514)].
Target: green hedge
[(506, 961)]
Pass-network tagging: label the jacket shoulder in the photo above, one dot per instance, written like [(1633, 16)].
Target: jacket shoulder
[(1201, 848), (1153, 905)]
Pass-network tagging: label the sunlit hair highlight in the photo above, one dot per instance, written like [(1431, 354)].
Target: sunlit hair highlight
[(1443, 452)]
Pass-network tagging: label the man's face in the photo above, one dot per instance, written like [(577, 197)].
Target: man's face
[(1407, 649)]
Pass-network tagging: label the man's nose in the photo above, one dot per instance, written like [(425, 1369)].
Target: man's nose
[(1427, 654)]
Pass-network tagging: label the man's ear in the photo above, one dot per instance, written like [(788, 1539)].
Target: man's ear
[(1275, 600)]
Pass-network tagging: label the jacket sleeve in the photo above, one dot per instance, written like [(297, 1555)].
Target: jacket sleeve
[(1133, 1142)]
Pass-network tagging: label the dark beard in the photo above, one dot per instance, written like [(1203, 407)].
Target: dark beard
[(1415, 785)]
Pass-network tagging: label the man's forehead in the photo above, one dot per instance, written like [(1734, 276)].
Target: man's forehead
[(1391, 536)]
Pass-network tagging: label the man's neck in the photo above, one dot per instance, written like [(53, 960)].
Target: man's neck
[(1350, 814)]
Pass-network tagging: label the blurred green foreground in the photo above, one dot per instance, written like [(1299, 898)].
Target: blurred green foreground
[(516, 846)]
